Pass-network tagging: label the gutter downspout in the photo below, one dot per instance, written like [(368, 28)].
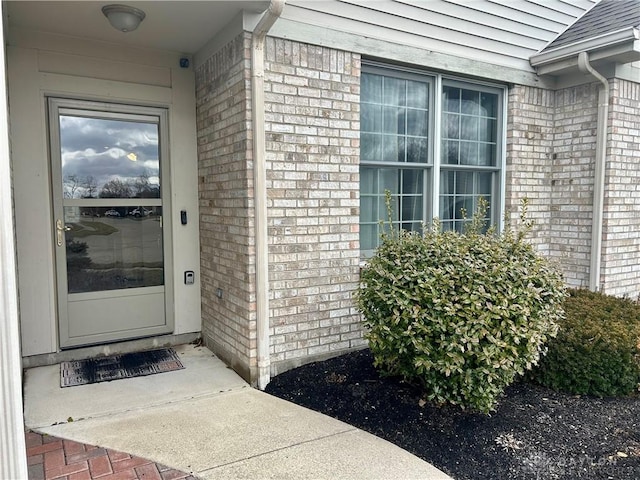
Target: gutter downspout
[(599, 174), (260, 189)]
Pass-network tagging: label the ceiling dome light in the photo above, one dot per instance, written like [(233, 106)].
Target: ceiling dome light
[(123, 17)]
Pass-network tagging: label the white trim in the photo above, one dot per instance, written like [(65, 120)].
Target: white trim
[(13, 455), (627, 72), (407, 54), (573, 49), (437, 132), (502, 187)]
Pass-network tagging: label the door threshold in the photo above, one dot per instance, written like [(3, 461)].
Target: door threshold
[(82, 353)]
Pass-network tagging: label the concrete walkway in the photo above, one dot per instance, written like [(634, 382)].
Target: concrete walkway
[(206, 421)]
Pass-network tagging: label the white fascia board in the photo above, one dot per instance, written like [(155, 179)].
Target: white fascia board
[(625, 35), (625, 53), (618, 54)]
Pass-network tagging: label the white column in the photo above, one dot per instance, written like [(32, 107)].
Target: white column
[(13, 457)]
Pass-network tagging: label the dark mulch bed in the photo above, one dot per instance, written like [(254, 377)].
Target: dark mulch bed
[(535, 433)]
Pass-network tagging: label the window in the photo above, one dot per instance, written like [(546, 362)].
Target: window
[(434, 143)]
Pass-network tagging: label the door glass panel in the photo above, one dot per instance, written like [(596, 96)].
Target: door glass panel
[(113, 247), (104, 158)]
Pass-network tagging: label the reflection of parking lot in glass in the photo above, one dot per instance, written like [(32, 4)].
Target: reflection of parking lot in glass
[(133, 241), (114, 252)]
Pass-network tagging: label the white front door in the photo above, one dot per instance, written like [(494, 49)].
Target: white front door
[(110, 192)]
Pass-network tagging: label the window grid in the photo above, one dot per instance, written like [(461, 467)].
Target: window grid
[(469, 119), (406, 187), (460, 195), (391, 129), (469, 162)]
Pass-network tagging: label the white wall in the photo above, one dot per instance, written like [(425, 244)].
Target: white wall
[(40, 65)]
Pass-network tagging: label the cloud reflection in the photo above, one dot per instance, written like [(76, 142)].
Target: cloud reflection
[(99, 151)]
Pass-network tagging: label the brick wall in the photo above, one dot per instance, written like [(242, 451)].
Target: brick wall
[(529, 158), (572, 180), (312, 129), (621, 242), (551, 143), (312, 125), (226, 208)]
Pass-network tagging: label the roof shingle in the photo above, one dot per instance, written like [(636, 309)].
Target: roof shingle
[(605, 17)]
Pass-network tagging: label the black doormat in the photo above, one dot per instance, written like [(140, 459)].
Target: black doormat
[(127, 365)]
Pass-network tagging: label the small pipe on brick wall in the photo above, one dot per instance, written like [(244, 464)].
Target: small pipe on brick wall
[(260, 189), (599, 174)]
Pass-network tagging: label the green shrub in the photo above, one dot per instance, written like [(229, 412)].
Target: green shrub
[(460, 314), (596, 350)]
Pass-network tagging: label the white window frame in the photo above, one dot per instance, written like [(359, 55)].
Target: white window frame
[(433, 168)]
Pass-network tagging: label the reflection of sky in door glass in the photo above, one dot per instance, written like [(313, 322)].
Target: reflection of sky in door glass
[(109, 158)]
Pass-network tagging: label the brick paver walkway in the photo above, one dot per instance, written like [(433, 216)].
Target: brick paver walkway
[(51, 457)]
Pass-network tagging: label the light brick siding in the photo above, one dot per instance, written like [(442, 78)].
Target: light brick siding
[(312, 124), (550, 158), (574, 147), (226, 213), (312, 110), (529, 158), (551, 149), (621, 243)]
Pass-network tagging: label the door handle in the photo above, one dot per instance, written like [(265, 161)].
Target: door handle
[(60, 229)]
